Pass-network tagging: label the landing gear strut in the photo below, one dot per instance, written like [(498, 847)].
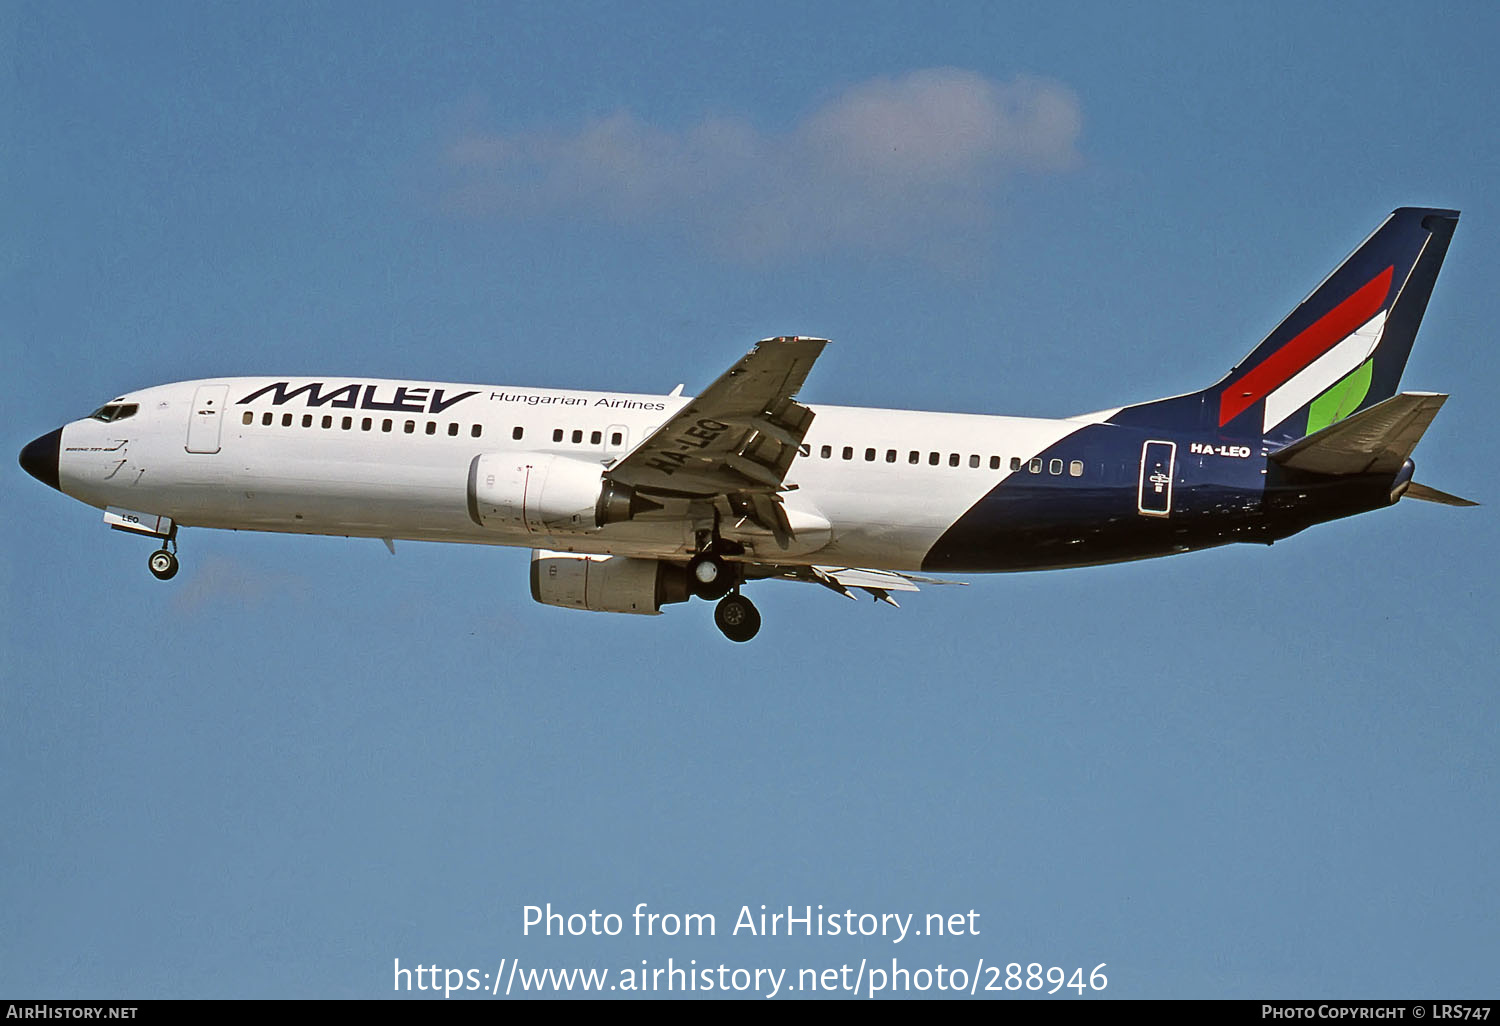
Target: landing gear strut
[(709, 576), (737, 617), (163, 562)]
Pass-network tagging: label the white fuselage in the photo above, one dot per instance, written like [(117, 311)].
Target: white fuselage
[(390, 459)]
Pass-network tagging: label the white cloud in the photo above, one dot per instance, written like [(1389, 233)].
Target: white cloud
[(889, 162)]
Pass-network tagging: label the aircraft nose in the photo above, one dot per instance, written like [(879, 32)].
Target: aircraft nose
[(39, 458)]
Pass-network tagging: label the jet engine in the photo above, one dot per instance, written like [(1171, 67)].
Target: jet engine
[(538, 493), (606, 584)]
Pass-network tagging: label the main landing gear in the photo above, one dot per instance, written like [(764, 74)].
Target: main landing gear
[(713, 578), (737, 617), (709, 576)]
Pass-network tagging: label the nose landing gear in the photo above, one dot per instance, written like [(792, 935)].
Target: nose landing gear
[(163, 562), (163, 565)]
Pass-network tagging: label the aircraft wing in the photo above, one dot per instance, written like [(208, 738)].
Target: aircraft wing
[(879, 583), (736, 440)]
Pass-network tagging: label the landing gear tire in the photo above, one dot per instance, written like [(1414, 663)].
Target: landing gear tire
[(709, 577), (163, 565), (737, 617)]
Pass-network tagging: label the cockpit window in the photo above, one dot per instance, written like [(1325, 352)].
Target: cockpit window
[(115, 411)]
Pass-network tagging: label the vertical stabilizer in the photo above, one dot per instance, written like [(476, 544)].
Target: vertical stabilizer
[(1342, 350)]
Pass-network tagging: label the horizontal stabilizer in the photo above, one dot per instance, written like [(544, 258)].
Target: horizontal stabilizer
[(1377, 440), (1421, 491)]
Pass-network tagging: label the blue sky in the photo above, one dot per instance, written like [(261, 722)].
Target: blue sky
[(1241, 773)]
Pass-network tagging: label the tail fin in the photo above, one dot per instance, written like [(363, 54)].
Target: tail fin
[(1343, 349), (1340, 351)]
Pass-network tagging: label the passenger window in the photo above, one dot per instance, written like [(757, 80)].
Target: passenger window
[(934, 458), (476, 430), (890, 455), (453, 430), (953, 459), (1035, 466), (557, 435), (848, 452), (804, 449), (994, 462), (432, 427), (348, 423), (307, 420), (516, 433), (385, 425), (1054, 467), (327, 422), (914, 457), (1075, 469), (869, 455), (577, 437), (286, 420), (249, 417), (265, 419), (410, 427), (616, 438), (1015, 463), (596, 437), (365, 424), (827, 452), (973, 461)]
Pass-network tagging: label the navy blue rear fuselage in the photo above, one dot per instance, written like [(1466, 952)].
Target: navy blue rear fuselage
[(1225, 491)]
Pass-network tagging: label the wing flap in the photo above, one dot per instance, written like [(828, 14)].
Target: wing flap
[(734, 444), (845, 580)]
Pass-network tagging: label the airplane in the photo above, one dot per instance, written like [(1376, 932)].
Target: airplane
[(631, 502)]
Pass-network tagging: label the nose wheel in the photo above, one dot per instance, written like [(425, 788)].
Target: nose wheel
[(737, 617), (163, 564)]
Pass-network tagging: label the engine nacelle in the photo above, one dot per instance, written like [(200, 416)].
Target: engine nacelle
[(538, 493), (606, 584)]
